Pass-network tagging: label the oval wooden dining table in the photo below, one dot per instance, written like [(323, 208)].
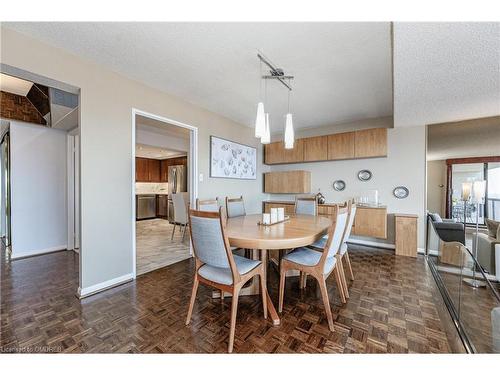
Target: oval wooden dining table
[(297, 231)]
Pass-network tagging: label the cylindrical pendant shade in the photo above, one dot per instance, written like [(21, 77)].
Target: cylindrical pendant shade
[(266, 137), (289, 133), (260, 121)]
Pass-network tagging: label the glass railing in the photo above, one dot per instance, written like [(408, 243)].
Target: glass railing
[(474, 310)]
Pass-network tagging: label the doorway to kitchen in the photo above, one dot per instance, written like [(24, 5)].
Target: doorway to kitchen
[(164, 185)]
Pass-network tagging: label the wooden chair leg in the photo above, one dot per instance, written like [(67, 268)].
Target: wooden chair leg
[(173, 230), (221, 295), (184, 233), (303, 280), (326, 301), (234, 310), (340, 287), (349, 267), (193, 298), (282, 287), (340, 267), (263, 292)]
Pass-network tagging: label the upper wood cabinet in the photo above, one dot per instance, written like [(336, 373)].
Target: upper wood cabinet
[(287, 182), (367, 143), (154, 170), (341, 146), (141, 170), (276, 153), (370, 143), (164, 171), (315, 148)]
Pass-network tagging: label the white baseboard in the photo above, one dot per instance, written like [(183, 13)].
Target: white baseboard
[(96, 288), (382, 245), (30, 253)]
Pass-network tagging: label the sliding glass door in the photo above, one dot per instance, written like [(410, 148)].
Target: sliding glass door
[(470, 170), (493, 191)]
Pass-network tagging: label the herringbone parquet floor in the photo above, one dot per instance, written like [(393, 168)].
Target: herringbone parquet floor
[(392, 309)]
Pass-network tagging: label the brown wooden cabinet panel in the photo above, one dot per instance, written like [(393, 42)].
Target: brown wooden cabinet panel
[(326, 210), (406, 235), (294, 155), (315, 148), (273, 153), (287, 182), (154, 170), (164, 171), (370, 143), (370, 222), (141, 170), (341, 146), (289, 207)]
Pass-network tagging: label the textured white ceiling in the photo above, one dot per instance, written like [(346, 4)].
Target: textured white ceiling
[(343, 70), (152, 152), (445, 72)]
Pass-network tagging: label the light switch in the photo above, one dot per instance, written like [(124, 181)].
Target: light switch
[(201, 177)]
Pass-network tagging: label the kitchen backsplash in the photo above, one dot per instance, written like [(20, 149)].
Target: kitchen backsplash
[(151, 187)]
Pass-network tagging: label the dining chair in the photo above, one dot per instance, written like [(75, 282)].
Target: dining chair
[(216, 266), (343, 253), (318, 263), (211, 205), (235, 207), (179, 201), (306, 205)]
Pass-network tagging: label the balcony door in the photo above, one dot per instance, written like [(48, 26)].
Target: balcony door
[(470, 170)]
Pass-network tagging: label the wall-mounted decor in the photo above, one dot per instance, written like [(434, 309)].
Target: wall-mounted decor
[(364, 175), (230, 159), (401, 192), (339, 185)]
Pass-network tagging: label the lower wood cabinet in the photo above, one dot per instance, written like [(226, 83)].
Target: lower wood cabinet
[(370, 222), (289, 207), (406, 235), (287, 182)]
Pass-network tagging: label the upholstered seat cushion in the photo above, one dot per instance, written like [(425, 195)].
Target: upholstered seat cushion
[(223, 275), (309, 257), (321, 243)]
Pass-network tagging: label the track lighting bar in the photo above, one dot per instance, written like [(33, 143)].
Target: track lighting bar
[(276, 73)]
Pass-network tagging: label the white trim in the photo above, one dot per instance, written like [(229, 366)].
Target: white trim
[(30, 253), (96, 288), (382, 245), (192, 165), (70, 189)]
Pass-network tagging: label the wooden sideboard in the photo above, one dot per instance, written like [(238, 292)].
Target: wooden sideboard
[(369, 221), (368, 143), (406, 234)]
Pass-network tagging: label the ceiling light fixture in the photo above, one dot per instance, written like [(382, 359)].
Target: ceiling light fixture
[(260, 121), (262, 124)]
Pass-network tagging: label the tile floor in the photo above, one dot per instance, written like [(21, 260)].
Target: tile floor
[(154, 247)]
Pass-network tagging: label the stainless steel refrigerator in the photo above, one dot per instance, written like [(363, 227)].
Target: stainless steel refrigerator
[(177, 183)]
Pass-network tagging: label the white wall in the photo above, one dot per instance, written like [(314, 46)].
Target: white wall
[(38, 183), (404, 165), (106, 100), (436, 186)]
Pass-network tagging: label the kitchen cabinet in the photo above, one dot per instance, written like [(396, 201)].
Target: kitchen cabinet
[(287, 182), (141, 170), (154, 170), (341, 146), (370, 143), (315, 148), (164, 170)]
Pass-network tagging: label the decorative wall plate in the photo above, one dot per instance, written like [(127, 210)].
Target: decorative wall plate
[(401, 192), (339, 185), (364, 175)]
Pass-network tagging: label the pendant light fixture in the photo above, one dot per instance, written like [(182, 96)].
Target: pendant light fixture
[(260, 120), (289, 132), (262, 124), (266, 136)]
